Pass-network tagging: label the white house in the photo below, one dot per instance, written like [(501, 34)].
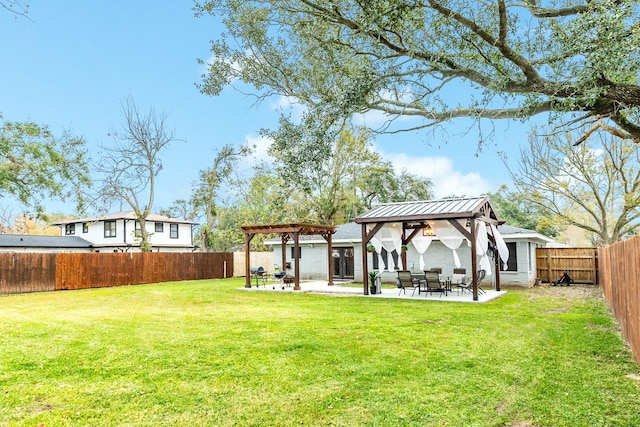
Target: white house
[(347, 255), (119, 231)]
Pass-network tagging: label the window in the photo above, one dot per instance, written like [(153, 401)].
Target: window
[(293, 248), (138, 231), (512, 264), (159, 227), (109, 229), (173, 231), (69, 229), (85, 227)]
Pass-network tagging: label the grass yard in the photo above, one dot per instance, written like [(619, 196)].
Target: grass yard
[(205, 354)]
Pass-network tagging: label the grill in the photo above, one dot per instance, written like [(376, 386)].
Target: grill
[(259, 274)]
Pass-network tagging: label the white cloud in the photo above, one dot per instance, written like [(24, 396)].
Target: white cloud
[(260, 146), (447, 181)]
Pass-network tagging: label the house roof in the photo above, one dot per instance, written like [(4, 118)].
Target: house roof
[(32, 241), (130, 215), (466, 207), (511, 232)]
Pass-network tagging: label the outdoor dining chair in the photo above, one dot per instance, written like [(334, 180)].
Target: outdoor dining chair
[(458, 278), (405, 280), (468, 283), (432, 283)]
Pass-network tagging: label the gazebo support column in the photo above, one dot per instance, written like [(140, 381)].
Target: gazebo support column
[(496, 257), (474, 259), (329, 239), (365, 266), (296, 261), (247, 259), (284, 239)]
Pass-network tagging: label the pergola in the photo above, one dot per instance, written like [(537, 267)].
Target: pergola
[(289, 232), (415, 217)]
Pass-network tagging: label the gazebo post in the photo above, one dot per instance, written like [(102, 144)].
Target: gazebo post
[(296, 261), (496, 257), (365, 266), (329, 239), (247, 259), (403, 254), (474, 260), (284, 239)]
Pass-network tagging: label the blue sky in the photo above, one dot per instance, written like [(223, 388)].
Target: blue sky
[(73, 61)]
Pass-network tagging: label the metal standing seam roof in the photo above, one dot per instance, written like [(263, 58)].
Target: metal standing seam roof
[(423, 210)]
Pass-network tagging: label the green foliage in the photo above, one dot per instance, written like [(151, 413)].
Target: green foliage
[(323, 168), (35, 165), (516, 210), (205, 354), (205, 193), (334, 174), (406, 58)]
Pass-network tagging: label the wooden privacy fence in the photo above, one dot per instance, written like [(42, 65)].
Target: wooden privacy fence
[(35, 272), (580, 263), (619, 267)]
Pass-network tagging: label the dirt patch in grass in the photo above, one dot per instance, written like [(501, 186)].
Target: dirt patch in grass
[(573, 292)]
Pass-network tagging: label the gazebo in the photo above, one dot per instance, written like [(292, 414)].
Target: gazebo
[(470, 218), (288, 232)]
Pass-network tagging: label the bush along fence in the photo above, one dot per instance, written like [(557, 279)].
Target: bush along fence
[(619, 268), (37, 272)]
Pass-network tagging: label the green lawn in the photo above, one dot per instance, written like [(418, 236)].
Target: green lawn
[(205, 354)]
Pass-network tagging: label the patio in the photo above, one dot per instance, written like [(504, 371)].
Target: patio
[(355, 289)]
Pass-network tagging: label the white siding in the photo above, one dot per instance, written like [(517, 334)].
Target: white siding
[(125, 235)]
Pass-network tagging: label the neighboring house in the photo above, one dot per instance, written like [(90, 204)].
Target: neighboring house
[(347, 256), (31, 243), (118, 232)]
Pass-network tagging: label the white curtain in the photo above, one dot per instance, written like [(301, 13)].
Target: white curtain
[(503, 250), (388, 237), (449, 236), (391, 238), (421, 243), (376, 239), (482, 246)]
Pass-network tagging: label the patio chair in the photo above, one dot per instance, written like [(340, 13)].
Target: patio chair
[(468, 283), (406, 281), (432, 283), (458, 278)]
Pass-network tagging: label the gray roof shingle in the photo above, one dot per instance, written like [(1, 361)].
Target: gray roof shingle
[(33, 241)]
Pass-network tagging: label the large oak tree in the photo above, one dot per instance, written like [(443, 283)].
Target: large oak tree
[(435, 60)]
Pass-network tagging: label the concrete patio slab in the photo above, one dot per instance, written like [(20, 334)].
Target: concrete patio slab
[(353, 289)]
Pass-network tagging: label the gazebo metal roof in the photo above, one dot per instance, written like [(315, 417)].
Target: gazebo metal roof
[(424, 210)]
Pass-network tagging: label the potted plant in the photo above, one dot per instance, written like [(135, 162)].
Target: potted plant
[(370, 248), (373, 281)]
